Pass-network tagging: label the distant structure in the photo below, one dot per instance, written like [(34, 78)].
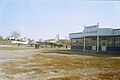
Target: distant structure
[(9, 38), (57, 38), (52, 42), (97, 39), (20, 42)]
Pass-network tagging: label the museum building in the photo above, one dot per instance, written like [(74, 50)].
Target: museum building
[(97, 39)]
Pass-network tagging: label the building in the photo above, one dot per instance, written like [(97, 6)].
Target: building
[(96, 39)]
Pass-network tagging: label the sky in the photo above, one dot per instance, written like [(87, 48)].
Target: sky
[(44, 19)]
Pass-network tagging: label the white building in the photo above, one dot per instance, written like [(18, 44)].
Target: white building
[(96, 39)]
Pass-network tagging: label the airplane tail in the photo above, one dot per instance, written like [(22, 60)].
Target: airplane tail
[(57, 38)]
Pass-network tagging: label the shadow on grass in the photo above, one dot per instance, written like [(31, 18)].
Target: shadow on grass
[(88, 53)]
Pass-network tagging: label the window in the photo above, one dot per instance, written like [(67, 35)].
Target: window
[(88, 41), (110, 41), (74, 41), (94, 41), (107, 41), (117, 41), (80, 42), (103, 41)]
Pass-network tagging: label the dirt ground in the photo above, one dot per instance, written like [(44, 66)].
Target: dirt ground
[(11, 55), (37, 65)]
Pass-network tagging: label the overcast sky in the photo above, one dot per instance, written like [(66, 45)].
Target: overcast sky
[(43, 19)]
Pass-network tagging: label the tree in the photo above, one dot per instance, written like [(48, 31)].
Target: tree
[(30, 40), (1, 37), (15, 34), (66, 42)]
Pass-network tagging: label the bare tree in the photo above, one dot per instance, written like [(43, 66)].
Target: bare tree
[(15, 34)]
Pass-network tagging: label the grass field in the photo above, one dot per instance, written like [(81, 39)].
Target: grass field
[(9, 47), (66, 67), (27, 47), (5, 42)]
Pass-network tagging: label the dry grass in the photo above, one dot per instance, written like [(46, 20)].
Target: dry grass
[(110, 76), (67, 78), (40, 63), (16, 48), (11, 68), (25, 47)]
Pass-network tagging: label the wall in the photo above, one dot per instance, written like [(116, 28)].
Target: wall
[(76, 35), (94, 32), (116, 31)]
